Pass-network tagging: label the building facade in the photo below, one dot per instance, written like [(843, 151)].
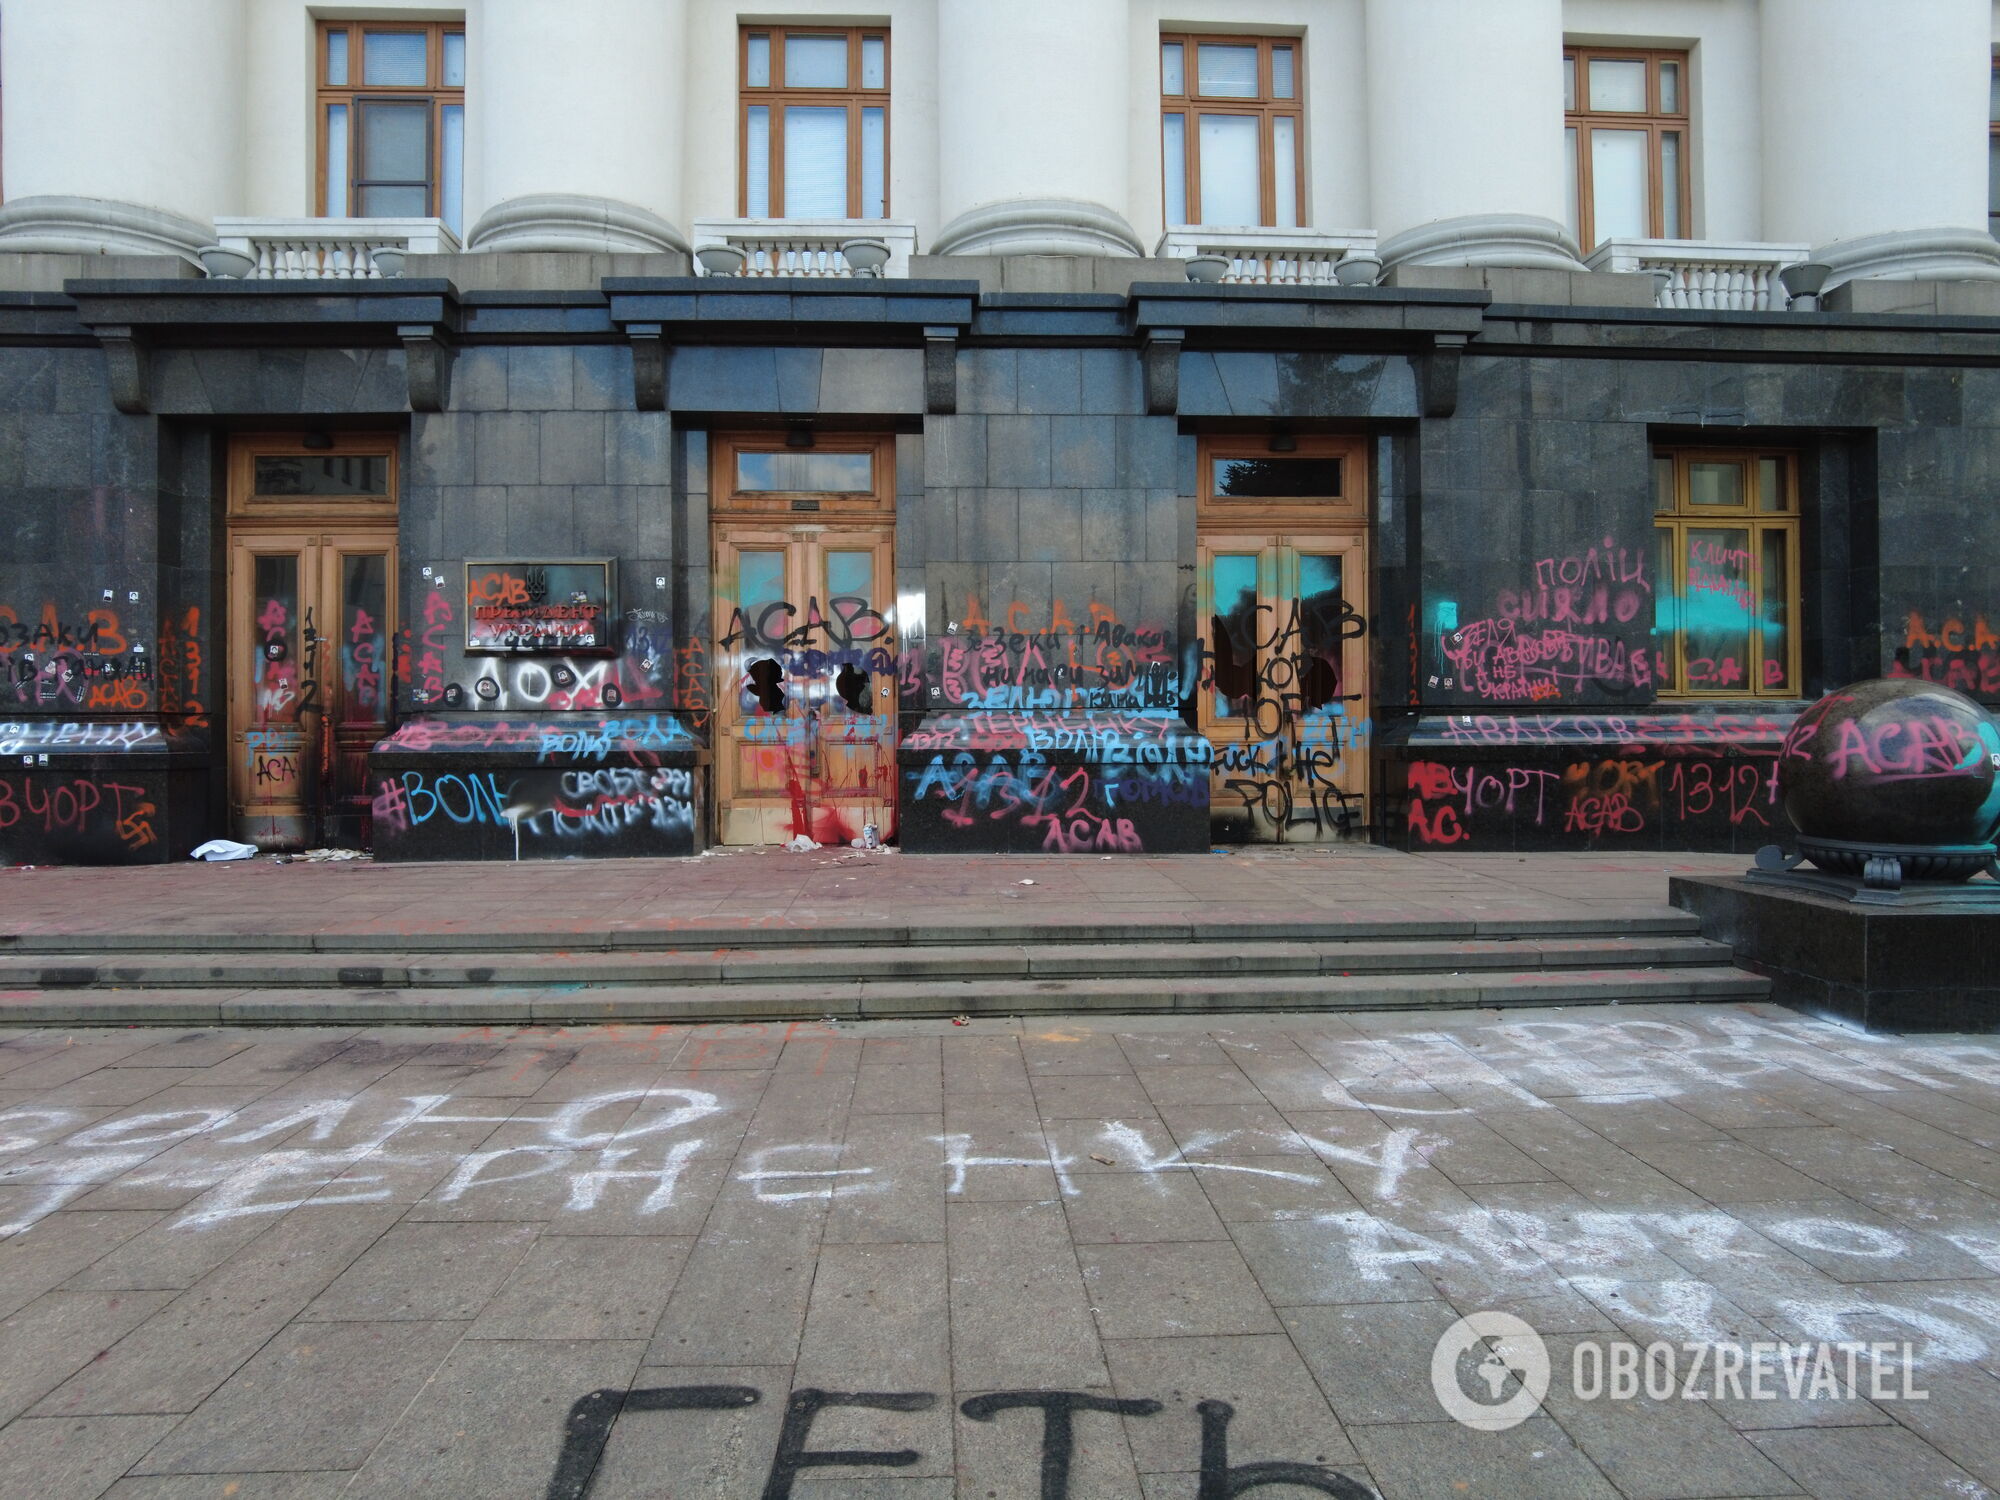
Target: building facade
[(625, 426)]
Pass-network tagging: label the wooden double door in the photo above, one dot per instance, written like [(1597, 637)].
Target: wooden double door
[(311, 637), (805, 673), (1283, 697)]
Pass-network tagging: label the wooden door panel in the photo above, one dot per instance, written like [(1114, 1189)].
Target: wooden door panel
[(805, 682), (1283, 692)]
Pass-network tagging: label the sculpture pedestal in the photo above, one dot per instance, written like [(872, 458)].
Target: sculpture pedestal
[(1918, 959)]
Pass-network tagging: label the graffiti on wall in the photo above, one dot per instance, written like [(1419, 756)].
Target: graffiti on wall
[(86, 660), (1021, 801), (1669, 797), (82, 817), (538, 813), (1946, 649), (1024, 661), (1581, 623)]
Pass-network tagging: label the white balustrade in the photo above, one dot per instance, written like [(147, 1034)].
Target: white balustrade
[(1269, 257), (1705, 274), (806, 247), (329, 249)]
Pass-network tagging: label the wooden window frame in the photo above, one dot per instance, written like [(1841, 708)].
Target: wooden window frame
[(1750, 517), (728, 501), (354, 93), (1348, 509), (1265, 108), (295, 510), (854, 98), (1653, 120)]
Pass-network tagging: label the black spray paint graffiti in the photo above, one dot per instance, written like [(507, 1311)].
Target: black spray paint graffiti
[(590, 1418), (1282, 721)]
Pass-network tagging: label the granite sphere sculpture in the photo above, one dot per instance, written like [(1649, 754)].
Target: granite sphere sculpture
[(1896, 767)]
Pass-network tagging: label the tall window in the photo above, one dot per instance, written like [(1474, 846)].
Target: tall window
[(392, 120), (1626, 119), (815, 123), (1231, 130), (1993, 157), (1726, 578)]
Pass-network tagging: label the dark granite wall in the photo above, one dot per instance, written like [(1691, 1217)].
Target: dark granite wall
[(1045, 519)]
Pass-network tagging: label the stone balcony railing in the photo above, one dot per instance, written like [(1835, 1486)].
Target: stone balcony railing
[(1274, 257), (329, 249), (1706, 274), (805, 247)]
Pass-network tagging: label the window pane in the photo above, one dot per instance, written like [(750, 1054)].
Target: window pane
[(454, 59), (1715, 484), (395, 59), (1229, 176), (1320, 626), (1993, 174), (1618, 184), (395, 143), (1663, 485), (364, 607), (851, 574), (1172, 80), (336, 58), (874, 162), (1618, 85), (815, 62), (1233, 632), (1574, 199), (874, 62), (1225, 72), (1670, 184), (757, 162), (1771, 493), (1666, 605), (394, 202), (1718, 607), (816, 162), (1993, 98), (1173, 163), (1281, 73), (336, 161), (1277, 478), (274, 639), (452, 167), (1569, 83), (789, 471), (1670, 88), (757, 63), (1284, 170), (282, 476), (1777, 615)]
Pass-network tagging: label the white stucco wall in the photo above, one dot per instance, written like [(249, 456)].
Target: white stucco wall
[(1813, 120), (1875, 116), (139, 101)]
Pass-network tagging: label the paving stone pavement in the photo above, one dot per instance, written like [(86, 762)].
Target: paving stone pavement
[(1146, 1258), (769, 888)]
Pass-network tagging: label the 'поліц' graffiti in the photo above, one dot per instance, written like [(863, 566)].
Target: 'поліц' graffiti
[(1584, 622)]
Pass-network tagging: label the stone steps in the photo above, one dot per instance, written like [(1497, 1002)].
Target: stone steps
[(836, 932), (852, 999), (728, 967)]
